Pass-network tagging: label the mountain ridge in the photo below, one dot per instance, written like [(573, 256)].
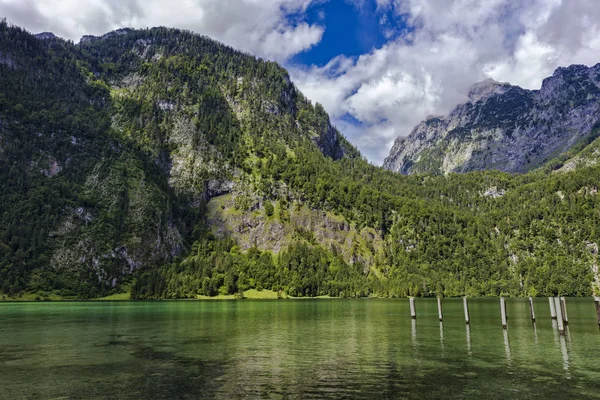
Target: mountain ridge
[(504, 127)]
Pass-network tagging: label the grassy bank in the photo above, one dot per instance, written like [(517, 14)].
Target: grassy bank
[(116, 296)]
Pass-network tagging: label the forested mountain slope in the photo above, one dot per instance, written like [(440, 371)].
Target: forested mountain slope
[(166, 162), (110, 148)]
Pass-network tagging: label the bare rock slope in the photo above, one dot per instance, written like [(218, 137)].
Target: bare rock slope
[(505, 127)]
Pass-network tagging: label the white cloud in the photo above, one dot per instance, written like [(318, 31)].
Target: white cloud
[(268, 28), (428, 69), (452, 44), (529, 64)]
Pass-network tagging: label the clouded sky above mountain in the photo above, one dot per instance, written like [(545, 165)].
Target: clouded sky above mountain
[(378, 66)]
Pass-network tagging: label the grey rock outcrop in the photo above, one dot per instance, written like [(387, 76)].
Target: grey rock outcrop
[(505, 127), (45, 36), (109, 35), (330, 144), (6, 60)]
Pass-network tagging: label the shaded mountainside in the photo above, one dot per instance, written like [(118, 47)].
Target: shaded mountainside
[(505, 127), (166, 164)]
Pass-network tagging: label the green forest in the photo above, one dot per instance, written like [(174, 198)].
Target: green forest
[(113, 150)]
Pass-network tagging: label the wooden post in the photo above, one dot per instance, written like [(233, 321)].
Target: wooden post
[(440, 313), (531, 309), (552, 308), (503, 312), (466, 307), (597, 301), (559, 316), (563, 309), (413, 311)]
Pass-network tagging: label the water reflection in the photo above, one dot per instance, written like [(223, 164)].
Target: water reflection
[(568, 333), (413, 332), (442, 335), (565, 355), (506, 346), (469, 352)]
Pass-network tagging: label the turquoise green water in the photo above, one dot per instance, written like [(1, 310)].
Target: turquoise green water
[(337, 349)]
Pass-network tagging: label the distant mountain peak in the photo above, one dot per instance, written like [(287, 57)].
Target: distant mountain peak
[(505, 127), (575, 68), (487, 88)]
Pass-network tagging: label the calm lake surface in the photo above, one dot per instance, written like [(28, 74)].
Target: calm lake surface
[(295, 349)]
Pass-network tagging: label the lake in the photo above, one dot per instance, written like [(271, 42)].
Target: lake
[(295, 349)]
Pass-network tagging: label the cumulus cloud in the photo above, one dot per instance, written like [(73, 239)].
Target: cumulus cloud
[(450, 45), (426, 67), (268, 28)]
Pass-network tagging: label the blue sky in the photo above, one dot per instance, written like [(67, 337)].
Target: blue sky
[(379, 67), (350, 29)]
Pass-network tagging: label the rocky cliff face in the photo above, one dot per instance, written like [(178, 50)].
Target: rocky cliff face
[(291, 224), (505, 127)]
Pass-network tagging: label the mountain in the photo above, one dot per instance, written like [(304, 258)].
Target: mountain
[(163, 164), (505, 127), (111, 147)]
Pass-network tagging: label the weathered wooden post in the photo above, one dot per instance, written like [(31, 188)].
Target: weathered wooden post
[(563, 309), (531, 309), (503, 313), (597, 301), (466, 307), (413, 311), (440, 313), (552, 308), (559, 317)]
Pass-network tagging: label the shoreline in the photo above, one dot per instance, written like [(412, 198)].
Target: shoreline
[(251, 294)]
